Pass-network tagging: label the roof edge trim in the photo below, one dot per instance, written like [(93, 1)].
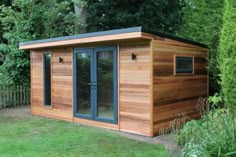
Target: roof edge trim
[(84, 35)]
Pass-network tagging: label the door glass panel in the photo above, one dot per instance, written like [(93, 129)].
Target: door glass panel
[(105, 95), (83, 83)]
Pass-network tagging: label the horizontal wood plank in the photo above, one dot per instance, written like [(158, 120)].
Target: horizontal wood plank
[(173, 95), (135, 88)]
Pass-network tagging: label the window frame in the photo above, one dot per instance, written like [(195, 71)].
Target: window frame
[(44, 78), (176, 73)]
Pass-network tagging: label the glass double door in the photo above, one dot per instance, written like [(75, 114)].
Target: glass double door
[(95, 83)]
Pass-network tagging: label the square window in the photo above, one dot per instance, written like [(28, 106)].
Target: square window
[(183, 65)]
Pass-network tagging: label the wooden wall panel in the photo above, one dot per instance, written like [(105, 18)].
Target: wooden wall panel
[(62, 88), (173, 95), (36, 78), (134, 88), (141, 111), (61, 84)]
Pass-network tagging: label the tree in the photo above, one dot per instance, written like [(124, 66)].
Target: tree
[(6, 3), (202, 21), (28, 20), (153, 15), (81, 15), (227, 55)]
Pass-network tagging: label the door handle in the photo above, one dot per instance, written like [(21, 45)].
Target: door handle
[(93, 85)]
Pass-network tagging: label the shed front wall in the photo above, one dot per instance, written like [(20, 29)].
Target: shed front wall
[(135, 88), (134, 95), (176, 96), (61, 84)]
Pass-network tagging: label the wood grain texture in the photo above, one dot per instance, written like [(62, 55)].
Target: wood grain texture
[(96, 123), (61, 84), (150, 96), (151, 92), (175, 96), (135, 88)]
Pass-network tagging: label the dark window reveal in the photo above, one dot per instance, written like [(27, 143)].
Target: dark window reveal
[(184, 65), (47, 79)]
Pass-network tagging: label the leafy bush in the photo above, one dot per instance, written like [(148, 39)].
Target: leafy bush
[(203, 24), (28, 20), (193, 150), (227, 56), (152, 15), (214, 134), (216, 101)]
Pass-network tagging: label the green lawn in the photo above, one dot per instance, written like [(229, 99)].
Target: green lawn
[(29, 136)]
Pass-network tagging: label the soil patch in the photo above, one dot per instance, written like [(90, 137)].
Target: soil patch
[(19, 112)]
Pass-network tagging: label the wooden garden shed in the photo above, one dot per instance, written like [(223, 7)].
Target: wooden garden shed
[(125, 79)]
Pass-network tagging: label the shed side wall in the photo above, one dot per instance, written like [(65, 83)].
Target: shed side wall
[(176, 96), (134, 92)]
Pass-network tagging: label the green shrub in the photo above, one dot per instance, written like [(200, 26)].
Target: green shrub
[(202, 23), (216, 101), (214, 134), (193, 150), (227, 55)]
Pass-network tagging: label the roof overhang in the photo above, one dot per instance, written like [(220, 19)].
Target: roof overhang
[(121, 34), (103, 36)]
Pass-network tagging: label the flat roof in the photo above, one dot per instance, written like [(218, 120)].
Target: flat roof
[(117, 34)]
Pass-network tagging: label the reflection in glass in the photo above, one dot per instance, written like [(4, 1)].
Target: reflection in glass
[(47, 79), (105, 97), (184, 64), (83, 86)]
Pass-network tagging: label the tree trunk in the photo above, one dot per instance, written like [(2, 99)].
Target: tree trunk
[(80, 13)]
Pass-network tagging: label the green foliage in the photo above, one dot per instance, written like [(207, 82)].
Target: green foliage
[(202, 21), (191, 150), (6, 3), (153, 15), (58, 21), (227, 55), (24, 21), (216, 101), (213, 135)]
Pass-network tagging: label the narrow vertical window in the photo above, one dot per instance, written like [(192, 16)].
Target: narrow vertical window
[(47, 79)]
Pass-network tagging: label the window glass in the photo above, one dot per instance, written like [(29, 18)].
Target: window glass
[(184, 64), (47, 79)]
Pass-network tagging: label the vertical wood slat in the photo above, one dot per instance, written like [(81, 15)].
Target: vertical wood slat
[(28, 97), (4, 97), (17, 91), (12, 96), (17, 95), (24, 95), (20, 96), (0, 98), (7, 95)]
